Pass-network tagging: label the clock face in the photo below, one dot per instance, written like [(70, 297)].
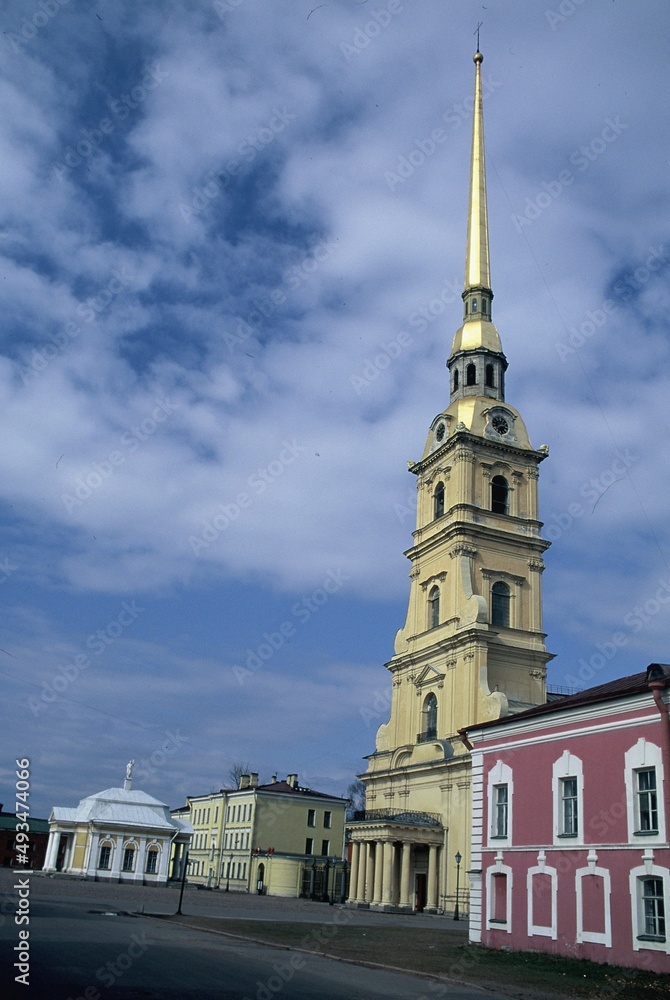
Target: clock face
[(500, 425), (439, 433)]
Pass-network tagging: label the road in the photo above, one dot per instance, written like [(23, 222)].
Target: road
[(81, 951)]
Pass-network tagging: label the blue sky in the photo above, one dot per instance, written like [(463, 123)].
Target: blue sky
[(232, 247)]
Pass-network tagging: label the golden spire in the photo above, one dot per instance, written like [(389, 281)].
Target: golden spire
[(477, 273), (477, 363)]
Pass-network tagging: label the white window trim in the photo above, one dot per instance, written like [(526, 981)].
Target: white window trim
[(500, 774), (594, 937), (567, 766), (645, 871), (540, 930), (644, 754), (498, 869)]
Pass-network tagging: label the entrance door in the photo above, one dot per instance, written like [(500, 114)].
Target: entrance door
[(421, 884)]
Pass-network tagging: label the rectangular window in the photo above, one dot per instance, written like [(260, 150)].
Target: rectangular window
[(653, 909), (152, 862), (105, 855), (569, 811), (501, 809), (325, 847), (129, 859), (647, 804), (327, 817), (309, 846), (311, 817)]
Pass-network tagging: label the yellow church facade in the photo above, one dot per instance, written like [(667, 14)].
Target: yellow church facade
[(472, 646)]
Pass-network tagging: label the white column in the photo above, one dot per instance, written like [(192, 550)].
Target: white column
[(370, 873), (140, 860), (93, 842), (387, 878), (117, 854), (379, 873), (431, 895), (353, 872), (164, 861), (362, 866), (52, 850), (405, 875)]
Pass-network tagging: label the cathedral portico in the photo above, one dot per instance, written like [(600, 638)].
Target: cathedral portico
[(395, 860)]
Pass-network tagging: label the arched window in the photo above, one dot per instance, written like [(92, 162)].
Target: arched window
[(500, 604), (152, 861), (489, 376), (434, 608), (484, 306), (499, 495), (438, 500), (429, 721), (474, 305), (105, 856), (471, 375), (466, 307), (456, 380)]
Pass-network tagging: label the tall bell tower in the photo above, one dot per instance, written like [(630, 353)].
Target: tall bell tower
[(472, 647)]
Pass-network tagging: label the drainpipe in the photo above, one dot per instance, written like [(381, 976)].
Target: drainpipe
[(657, 687)]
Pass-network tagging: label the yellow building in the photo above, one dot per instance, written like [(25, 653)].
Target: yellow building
[(472, 647), (280, 839), (118, 835)]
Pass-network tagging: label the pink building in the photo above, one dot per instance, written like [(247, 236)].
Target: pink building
[(571, 816)]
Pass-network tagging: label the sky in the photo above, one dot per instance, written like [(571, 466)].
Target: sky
[(231, 257)]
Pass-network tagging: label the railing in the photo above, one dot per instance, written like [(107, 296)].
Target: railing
[(406, 816)]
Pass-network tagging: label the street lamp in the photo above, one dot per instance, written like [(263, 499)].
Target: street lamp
[(458, 879)]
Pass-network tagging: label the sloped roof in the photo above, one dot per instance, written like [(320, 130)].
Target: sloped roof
[(121, 807), (623, 687)]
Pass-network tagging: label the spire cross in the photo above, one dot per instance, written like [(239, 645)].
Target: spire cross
[(477, 33)]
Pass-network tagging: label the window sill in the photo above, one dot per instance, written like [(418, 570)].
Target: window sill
[(500, 923), (567, 836), (645, 833), (498, 836), (652, 937)]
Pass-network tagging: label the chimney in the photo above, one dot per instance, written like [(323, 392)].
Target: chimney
[(244, 781), (274, 779), (292, 780), (253, 779)]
